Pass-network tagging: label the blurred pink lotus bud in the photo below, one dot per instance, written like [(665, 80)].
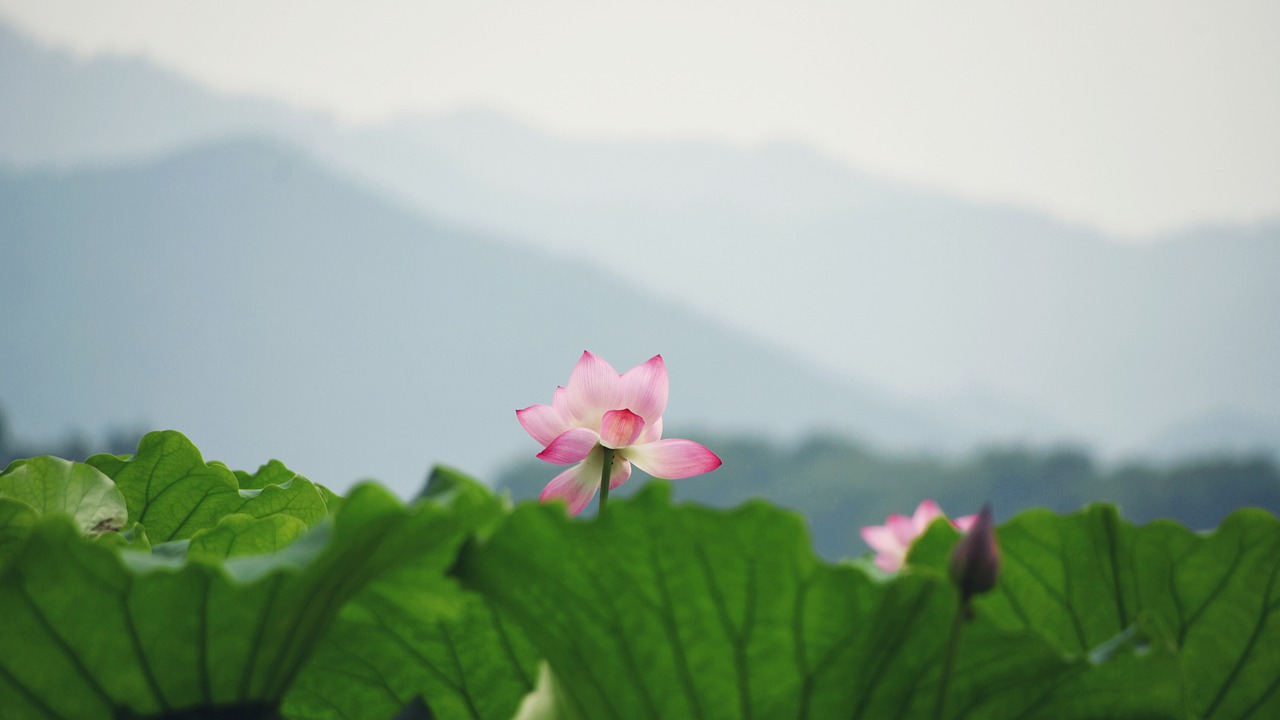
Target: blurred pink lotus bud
[(975, 561), (893, 539)]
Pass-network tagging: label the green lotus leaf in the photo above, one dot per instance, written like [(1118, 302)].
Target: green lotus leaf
[(1083, 578), (659, 611), (245, 535), (169, 487), (133, 538), (332, 500), (53, 485), (94, 633), (396, 641), (272, 473), (16, 520)]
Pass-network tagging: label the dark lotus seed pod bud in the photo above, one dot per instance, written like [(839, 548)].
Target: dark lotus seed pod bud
[(975, 561)]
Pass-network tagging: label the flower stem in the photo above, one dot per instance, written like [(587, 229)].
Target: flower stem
[(604, 478), (953, 649)]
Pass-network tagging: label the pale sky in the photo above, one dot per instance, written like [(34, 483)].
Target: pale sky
[(1137, 117)]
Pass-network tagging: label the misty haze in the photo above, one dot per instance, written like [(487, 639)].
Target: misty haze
[(587, 361), (367, 301)]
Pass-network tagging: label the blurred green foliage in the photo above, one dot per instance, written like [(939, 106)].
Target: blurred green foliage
[(270, 598), (840, 485)]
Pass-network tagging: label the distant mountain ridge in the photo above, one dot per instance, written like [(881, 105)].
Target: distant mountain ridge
[(924, 294), (243, 294), (61, 109), (996, 320)]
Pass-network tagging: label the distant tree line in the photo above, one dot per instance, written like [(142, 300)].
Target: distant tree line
[(75, 446), (840, 485)]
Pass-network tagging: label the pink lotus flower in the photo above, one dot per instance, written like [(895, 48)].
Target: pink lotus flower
[(892, 540), (601, 409)]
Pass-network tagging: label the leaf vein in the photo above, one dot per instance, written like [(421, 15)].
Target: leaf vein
[(1248, 648), (673, 635), (66, 647)]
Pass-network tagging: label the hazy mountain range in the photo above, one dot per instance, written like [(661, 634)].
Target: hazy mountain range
[(401, 288), (243, 294), (1003, 320)]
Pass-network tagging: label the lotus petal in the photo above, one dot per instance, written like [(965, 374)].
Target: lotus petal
[(672, 459), (620, 428), (570, 446)]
